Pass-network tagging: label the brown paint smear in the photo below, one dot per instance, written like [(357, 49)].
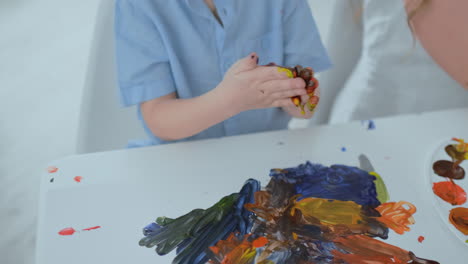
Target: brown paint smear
[(449, 191), (367, 250), (459, 218), (454, 153), (451, 169), (448, 169)]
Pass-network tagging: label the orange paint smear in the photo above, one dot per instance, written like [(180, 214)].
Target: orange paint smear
[(52, 169), (420, 239), (261, 207), (396, 217), (260, 242), (450, 192), (367, 250), (459, 218), (233, 251)]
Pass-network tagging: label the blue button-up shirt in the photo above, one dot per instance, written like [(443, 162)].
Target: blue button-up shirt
[(178, 46)]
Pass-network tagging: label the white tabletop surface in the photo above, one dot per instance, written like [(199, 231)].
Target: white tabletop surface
[(122, 191)]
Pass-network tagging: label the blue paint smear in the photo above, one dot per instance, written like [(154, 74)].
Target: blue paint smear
[(203, 228), (192, 234), (151, 229), (369, 124), (338, 182), (343, 149)]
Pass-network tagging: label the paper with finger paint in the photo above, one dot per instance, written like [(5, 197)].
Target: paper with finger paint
[(304, 214)]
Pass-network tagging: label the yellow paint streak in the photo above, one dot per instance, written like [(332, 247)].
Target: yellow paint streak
[(247, 257), (294, 235), (329, 212), (288, 72), (382, 193), (296, 101), (461, 147)]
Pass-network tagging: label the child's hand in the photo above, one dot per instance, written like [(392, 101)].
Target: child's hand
[(247, 86), (295, 111)]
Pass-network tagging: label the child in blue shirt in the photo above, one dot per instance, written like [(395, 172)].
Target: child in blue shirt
[(193, 66)]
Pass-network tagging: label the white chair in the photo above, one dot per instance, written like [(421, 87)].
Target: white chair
[(343, 43), (104, 124)]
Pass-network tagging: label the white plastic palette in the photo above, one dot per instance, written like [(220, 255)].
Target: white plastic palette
[(443, 208)]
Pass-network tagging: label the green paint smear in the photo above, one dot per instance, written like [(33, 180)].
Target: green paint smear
[(382, 193), (189, 225)]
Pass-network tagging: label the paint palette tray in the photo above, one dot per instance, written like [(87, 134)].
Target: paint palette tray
[(444, 208)]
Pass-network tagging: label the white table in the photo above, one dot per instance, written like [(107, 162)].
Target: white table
[(122, 191)]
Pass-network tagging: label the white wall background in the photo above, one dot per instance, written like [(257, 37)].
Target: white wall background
[(43, 54)]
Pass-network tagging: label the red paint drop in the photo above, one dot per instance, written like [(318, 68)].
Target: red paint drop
[(420, 239), (92, 228), (67, 231), (78, 178), (450, 192), (52, 169)]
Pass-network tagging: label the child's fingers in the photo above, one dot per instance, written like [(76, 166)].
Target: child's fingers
[(275, 86), (245, 64), (264, 73), (289, 93), (314, 100), (283, 103), (305, 98), (317, 92)]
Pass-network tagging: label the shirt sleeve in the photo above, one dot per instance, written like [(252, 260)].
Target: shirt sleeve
[(143, 67), (303, 45)]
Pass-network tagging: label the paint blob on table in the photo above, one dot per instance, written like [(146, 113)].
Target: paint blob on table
[(71, 231), (459, 218), (78, 178), (449, 184), (306, 214), (369, 124), (52, 169)]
